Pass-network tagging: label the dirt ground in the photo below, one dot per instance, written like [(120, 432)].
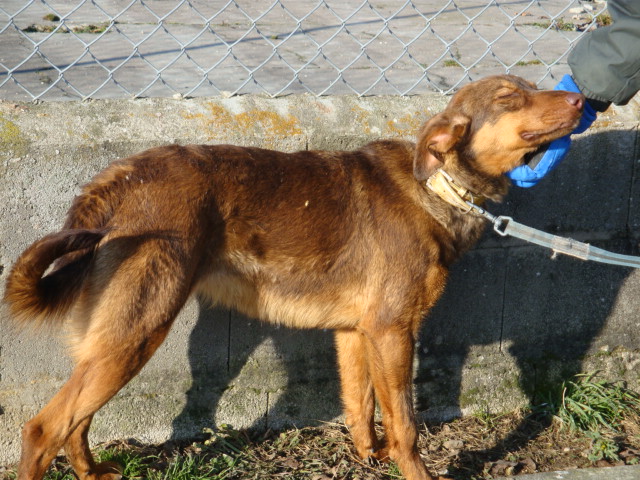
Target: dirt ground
[(471, 448)]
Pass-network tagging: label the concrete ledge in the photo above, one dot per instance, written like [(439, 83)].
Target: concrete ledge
[(611, 473), (512, 321)]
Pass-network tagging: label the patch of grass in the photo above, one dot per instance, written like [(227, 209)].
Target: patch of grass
[(602, 448), (51, 17), (596, 409), (559, 24), (394, 471), (526, 63), (603, 20), (91, 28), (134, 463), (488, 420), (39, 28), (191, 467), (66, 474), (454, 61), (451, 63), (88, 28), (589, 405)]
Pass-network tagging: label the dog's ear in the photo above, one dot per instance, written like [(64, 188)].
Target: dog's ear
[(439, 135)]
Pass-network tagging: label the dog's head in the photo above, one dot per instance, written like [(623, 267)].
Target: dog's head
[(490, 125)]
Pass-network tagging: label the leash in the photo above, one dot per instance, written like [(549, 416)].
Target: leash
[(567, 246), (507, 226)]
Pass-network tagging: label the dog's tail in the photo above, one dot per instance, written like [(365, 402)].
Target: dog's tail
[(37, 297)]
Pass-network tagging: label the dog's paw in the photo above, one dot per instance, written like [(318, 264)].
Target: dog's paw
[(374, 457), (381, 455), (108, 471)]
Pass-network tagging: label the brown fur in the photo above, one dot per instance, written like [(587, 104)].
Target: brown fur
[(345, 240)]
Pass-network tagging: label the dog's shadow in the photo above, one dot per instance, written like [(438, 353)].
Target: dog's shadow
[(551, 316), (261, 372), (504, 298)]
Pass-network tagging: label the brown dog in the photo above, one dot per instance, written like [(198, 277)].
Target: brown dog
[(351, 241)]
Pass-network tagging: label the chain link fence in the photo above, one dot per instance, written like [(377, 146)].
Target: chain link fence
[(55, 50)]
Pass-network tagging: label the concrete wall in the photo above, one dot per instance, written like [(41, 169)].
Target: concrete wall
[(512, 322)]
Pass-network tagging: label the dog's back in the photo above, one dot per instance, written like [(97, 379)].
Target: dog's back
[(294, 238)]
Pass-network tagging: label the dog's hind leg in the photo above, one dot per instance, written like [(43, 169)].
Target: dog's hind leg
[(131, 302), (357, 390), (65, 420), (80, 458)]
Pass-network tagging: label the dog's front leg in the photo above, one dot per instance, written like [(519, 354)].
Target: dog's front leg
[(390, 358), (357, 391)]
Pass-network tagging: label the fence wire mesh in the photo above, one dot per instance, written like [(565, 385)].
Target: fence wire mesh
[(54, 50)]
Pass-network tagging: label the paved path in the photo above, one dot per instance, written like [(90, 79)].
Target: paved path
[(613, 473), (278, 47)]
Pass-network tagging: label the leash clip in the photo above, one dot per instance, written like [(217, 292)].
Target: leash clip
[(500, 225)]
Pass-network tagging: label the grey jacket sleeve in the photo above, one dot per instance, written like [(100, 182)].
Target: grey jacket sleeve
[(605, 63)]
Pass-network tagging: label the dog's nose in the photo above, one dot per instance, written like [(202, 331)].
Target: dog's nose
[(575, 99)]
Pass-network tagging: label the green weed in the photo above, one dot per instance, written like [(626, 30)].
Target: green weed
[(133, 463), (589, 405), (602, 448), (451, 63), (559, 24), (89, 28), (603, 20), (525, 63), (595, 409)]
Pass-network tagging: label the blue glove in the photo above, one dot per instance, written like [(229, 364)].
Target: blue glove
[(525, 176)]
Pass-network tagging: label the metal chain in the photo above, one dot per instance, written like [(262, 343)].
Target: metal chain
[(51, 49)]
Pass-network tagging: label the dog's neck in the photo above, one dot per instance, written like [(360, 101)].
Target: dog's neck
[(449, 192), (443, 185)]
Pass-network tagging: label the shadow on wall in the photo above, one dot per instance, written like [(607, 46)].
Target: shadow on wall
[(247, 360), (546, 314)]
